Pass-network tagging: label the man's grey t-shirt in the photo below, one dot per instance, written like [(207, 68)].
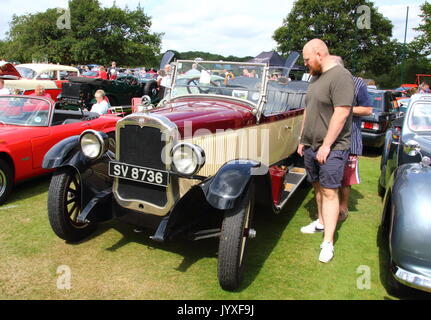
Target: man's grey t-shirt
[(333, 88)]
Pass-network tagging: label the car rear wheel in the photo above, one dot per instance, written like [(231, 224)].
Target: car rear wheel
[(234, 239), (64, 206), (6, 180)]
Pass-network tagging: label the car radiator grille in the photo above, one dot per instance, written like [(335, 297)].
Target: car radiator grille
[(141, 147)]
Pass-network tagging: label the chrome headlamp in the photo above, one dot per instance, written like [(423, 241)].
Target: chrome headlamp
[(93, 143), (187, 159)]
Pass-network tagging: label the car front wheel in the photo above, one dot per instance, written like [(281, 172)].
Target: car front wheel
[(64, 206), (233, 246), (6, 180)]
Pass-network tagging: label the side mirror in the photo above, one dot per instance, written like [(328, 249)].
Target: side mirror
[(146, 100), (412, 148)]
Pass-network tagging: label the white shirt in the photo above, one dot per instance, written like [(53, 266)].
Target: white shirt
[(4, 92), (100, 108), (166, 81)]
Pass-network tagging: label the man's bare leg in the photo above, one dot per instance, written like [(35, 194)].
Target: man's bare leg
[(330, 212), (344, 193), (318, 195)]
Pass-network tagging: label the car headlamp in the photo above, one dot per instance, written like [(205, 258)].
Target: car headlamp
[(187, 159), (93, 143)]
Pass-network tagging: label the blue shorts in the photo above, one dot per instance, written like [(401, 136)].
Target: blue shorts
[(330, 174)]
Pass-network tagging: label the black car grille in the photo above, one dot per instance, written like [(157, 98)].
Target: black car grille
[(142, 147)]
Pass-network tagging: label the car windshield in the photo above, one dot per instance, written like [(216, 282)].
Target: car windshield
[(26, 72), (420, 117), (243, 81), (377, 101), (24, 111)]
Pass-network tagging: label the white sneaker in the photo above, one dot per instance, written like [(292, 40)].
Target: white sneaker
[(313, 227), (327, 252)]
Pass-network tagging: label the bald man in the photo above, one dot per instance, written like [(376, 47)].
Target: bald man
[(325, 137)]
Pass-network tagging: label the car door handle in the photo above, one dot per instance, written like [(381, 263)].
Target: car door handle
[(85, 125), (287, 127)]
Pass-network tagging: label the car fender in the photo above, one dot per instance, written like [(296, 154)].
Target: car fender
[(228, 186), (410, 223), (60, 154)]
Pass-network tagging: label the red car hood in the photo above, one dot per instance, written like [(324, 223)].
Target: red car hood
[(210, 114), (7, 69)]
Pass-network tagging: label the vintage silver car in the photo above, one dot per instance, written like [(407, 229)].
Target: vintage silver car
[(405, 184), (223, 138)]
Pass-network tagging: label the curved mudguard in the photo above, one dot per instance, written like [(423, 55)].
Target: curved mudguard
[(57, 155), (95, 182), (410, 226), (227, 187)]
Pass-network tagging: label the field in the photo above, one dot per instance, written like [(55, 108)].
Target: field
[(117, 263)]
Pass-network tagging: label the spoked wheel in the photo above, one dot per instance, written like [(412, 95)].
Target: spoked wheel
[(64, 206), (6, 180), (234, 239)]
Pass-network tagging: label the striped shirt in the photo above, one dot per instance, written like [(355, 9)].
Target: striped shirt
[(361, 99)]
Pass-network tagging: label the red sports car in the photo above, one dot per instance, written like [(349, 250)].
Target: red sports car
[(29, 127)]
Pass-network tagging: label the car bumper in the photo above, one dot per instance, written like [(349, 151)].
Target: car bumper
[(412, 279), (375, 140)]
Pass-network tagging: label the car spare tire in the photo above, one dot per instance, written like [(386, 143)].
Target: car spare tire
[(150, 89)]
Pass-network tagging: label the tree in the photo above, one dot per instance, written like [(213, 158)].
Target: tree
[(96, 35), (336, 23), (424, 39)]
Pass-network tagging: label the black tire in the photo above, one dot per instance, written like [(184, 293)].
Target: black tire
[(64, 206), (150, 89), (6, 180), (233, 246), (380, 190)]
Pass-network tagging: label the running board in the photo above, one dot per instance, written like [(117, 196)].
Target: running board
[(292, 181)]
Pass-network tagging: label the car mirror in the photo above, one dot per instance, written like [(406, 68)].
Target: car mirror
[(412, 148)]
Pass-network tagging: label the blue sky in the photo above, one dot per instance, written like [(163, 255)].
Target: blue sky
[(228, 27)]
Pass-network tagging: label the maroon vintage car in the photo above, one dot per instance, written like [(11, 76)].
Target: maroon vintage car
[(224, 136)]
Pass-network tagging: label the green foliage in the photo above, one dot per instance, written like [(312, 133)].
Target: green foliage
[(335, 22), (424, 40), (97, 35)]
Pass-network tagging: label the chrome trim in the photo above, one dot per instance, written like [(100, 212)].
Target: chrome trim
[(100, 138), (170, 133), (412, 284), (200, 155)]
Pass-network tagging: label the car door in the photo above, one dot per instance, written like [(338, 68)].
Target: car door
[(52, 135)]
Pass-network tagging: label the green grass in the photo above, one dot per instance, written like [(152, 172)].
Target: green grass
[(117, 263)]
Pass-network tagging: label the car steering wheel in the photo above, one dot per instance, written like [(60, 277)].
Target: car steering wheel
[(201, 89)]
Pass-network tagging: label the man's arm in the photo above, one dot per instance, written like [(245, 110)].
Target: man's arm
[(360, 111), (335, 127)]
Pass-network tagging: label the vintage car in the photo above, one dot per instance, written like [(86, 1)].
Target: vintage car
[(404, 183), (375, 125), (29, 127), (80, 90), (191, 168), (25, 77)]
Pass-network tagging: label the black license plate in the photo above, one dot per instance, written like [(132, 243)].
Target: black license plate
[(138, 174)]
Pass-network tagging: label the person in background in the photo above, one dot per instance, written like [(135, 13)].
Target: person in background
[(164, 80), (112, 71), (424, 88), (3, 91), (193, 70), (39, 91), (102, 73), (361, 107), (101, 106)]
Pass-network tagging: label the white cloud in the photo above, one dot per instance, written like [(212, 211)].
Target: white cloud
[(227, 27)]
